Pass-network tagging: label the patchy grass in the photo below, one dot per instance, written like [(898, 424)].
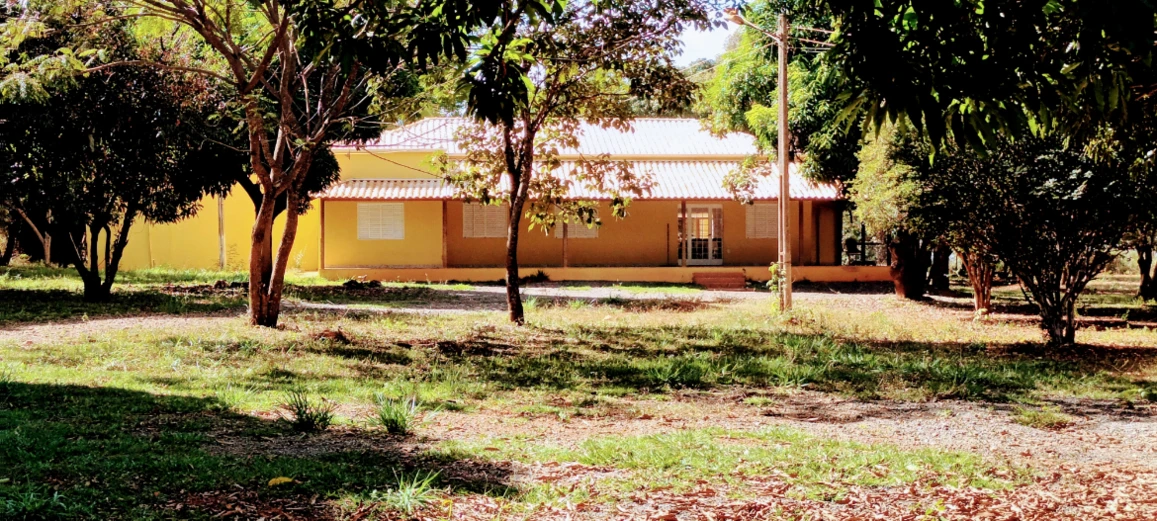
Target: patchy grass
[(1045, 417), (101, 453), (100, 423), (814, 468)]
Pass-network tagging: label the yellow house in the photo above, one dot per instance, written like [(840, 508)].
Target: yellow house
[(391, 217)]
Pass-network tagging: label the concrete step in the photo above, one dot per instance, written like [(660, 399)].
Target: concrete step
[(720, 280)]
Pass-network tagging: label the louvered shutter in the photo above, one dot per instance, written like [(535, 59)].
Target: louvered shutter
[(762, 221), (497, 221), (483, 220), (469, 216), (381, 221)]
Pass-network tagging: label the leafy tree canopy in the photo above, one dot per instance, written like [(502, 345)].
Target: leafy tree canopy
[(974, 70), (96, 153), (743, 93)]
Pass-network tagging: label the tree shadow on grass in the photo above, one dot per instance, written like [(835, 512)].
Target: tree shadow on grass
[(660, 359), (106, 453), (19, 306)]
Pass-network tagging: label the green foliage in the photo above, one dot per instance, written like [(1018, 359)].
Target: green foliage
[(742, 94), (975, 69), (1052, 214), (397, 416), (884, 189), (410, 492), (1047, 417), (305, 414)]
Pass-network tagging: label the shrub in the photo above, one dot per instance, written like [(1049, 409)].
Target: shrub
[(307, 416), (397, 416), (410, 492)]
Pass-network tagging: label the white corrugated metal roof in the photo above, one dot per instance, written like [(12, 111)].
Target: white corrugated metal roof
[(673, 180), (672, 137)]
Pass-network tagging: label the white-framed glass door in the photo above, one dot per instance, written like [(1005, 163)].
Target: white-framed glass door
[(703, 240)]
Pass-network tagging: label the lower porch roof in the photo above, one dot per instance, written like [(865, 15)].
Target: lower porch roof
[(672, 180)]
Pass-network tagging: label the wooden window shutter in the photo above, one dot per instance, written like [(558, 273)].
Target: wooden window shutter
[(381, 221), (483, 220), (762, 221)]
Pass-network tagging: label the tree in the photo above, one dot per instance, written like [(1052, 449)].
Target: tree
[(947, 206), (11, 228), (883, 194), (98, 153), (297, 70), (1052, 214), (975, 69), (742, 94), (542, 68)]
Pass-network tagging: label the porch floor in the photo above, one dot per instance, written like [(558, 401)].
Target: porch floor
[(678, 275)]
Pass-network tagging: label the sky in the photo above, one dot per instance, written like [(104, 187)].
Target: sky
[(703, 44)]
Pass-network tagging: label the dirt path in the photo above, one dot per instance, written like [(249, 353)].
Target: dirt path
[(1096, 438), (71, 330)]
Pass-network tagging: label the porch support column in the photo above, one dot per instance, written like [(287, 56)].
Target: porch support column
[(565, 243), (808, 251), (321, 249), (445, 235), (684, 244), (221, 232)]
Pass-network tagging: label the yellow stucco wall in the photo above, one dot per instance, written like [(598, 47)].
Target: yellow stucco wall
[(422, 245), (387, 165), (193, 243), (647, 236)]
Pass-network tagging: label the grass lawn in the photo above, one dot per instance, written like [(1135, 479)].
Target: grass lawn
[(163, 404)]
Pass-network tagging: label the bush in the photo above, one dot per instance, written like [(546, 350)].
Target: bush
[(307, 416), (397, 416), (410, 492)]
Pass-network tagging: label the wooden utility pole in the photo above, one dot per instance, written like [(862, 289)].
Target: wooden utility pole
[(782, 38), (221, 232), (784, 174)]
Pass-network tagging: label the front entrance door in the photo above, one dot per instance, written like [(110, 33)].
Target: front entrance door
[(705, 233)]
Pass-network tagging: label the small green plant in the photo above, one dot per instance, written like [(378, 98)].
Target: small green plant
[(232, 397), (775, 285), (531, 303), (1047, 417), (397, 416), (33, 503), (410, 493), (758, 401), (578, 304), (6, 382), (681, 371), (306, 415)]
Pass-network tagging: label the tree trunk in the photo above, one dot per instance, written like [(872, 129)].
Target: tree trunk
[(909, 267), (1059, 319), (10, 243), (513, 292), (1148, 290), (261, 309), (94, 288), (938, 278), (980, 273), (44, 238)]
